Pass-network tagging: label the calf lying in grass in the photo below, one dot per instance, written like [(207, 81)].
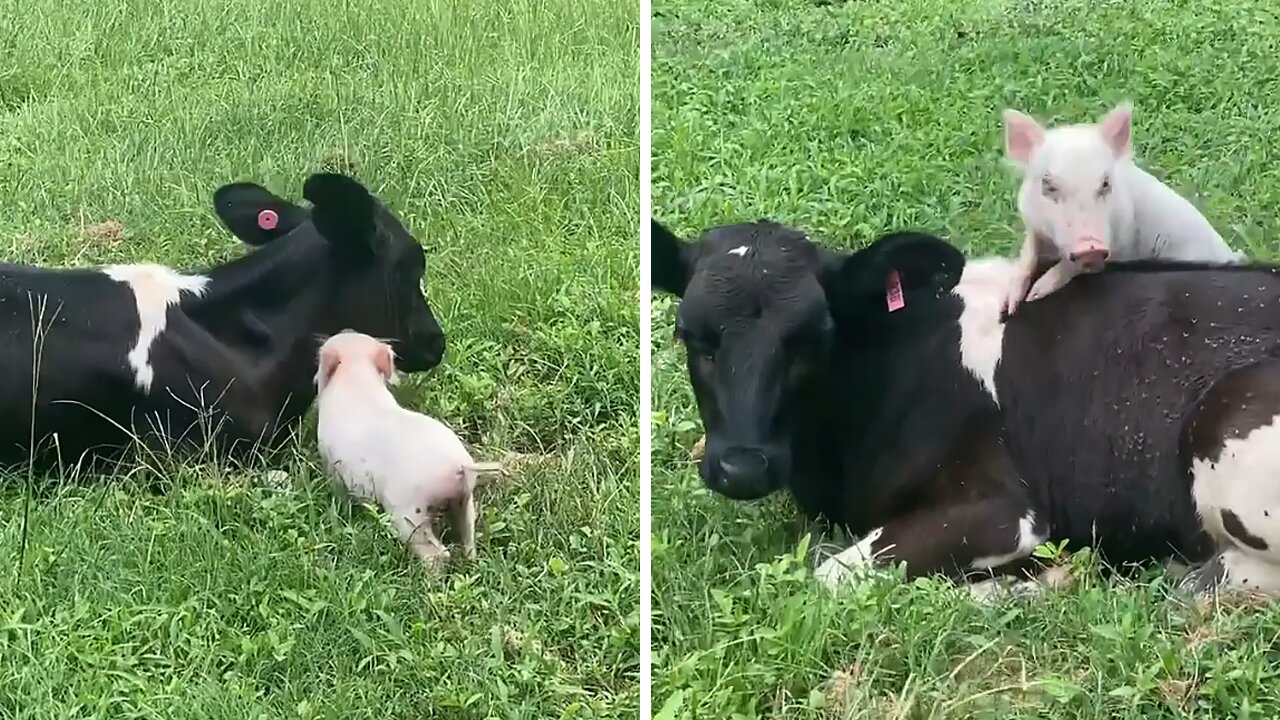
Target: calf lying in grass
[(411, 464), (215, 359), (880, 389)]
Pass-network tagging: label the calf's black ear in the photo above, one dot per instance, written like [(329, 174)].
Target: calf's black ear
[(254, 214), (671, 260), (898, 271), (342, 211)]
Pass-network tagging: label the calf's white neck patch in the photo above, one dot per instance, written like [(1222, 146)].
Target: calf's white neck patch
[(155, 288), (982, 287), (740, 251)]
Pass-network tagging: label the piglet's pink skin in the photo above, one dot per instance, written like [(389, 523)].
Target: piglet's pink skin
[(411, 464), (1084, 202)]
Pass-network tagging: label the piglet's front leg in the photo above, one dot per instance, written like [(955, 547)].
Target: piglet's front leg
[(1016, 293), (1053, 280), (1024, 271)]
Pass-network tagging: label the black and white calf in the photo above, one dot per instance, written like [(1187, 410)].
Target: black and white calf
[(1136, 410), (224, 356)]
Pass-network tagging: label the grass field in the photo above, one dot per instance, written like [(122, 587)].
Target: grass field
[(855, 118), (506, 135)]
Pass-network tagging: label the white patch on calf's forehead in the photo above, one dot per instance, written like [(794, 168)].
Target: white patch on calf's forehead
[(982, 287), (740, 251), (155, 288)]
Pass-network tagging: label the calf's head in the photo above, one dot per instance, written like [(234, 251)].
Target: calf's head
[(374, 267), (1070, 180), (760, 310)]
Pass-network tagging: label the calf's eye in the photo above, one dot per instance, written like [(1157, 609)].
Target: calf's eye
[(699, 351), (705, 361)]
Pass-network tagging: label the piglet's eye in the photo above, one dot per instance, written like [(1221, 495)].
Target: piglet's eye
[(1105, 187), (1048, 188)]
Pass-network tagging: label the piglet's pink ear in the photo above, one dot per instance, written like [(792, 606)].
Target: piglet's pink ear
[(1022, 136), (1117, 130), (384, 362), (329, 362)]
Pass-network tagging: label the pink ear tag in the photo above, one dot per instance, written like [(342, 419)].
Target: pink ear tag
[(268, 219), (893, 292)]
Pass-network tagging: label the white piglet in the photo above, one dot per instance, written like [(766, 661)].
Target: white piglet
[(1084, 201), (413, 465)]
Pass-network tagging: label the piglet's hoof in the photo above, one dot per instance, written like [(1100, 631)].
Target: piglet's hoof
[(1009, 306)]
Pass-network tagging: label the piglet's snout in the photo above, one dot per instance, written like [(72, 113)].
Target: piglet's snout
[(1089, 253)]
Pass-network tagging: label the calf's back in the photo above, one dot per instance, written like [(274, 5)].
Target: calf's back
[(1097, 385)]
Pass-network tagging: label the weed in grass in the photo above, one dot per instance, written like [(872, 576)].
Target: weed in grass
[(852, 119)]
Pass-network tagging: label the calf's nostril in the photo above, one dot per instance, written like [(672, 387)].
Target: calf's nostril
[(743, 464)]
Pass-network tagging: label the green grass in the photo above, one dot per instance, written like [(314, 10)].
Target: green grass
[(855, 118), (506, 135)]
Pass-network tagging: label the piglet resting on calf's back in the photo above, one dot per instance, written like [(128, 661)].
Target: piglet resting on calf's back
[(1084, 202)]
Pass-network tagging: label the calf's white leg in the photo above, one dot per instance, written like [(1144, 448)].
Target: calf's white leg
[(848, 563), (990, 535)]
